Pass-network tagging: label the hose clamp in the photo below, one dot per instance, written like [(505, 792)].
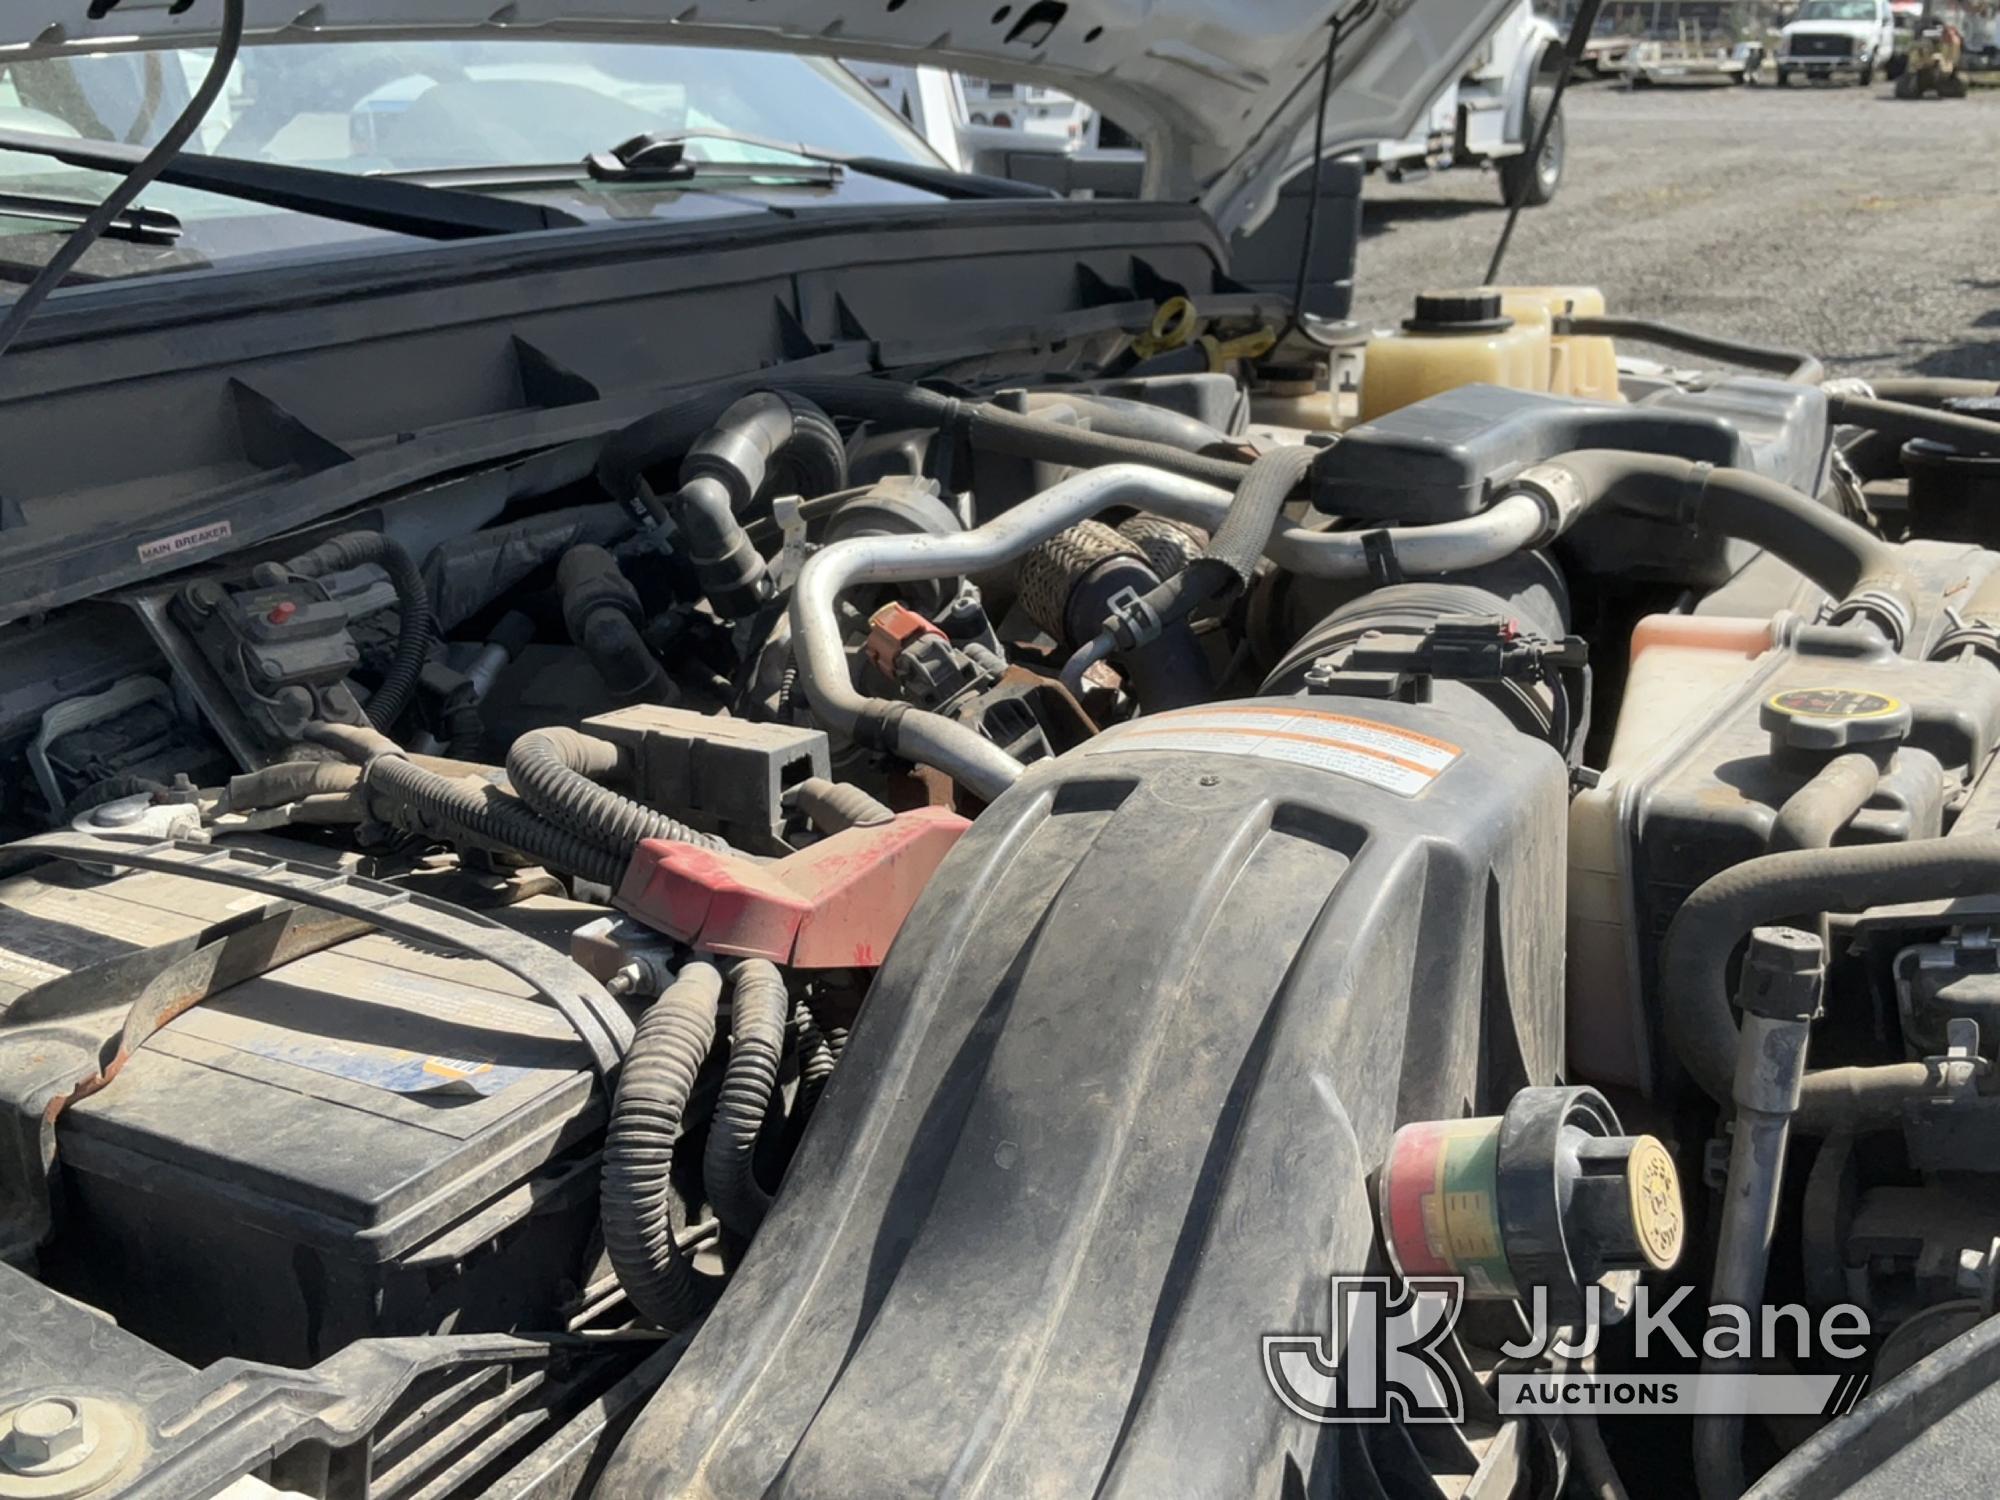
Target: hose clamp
[(876, 725), (1379, 548), (1696, 492), (1557, 491)]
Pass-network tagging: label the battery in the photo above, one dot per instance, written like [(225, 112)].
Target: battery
[(378, 1138)]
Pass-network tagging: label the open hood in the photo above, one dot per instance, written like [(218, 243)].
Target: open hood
[(1220, 91)]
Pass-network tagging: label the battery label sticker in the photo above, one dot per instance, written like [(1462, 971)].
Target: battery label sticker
[(1397, 760)]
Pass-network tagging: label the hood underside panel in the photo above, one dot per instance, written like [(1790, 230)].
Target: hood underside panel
[(1221, 93)]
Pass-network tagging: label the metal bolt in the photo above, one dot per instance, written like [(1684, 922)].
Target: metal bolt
[(48, 1432)]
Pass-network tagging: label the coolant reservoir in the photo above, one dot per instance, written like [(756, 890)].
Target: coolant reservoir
[(1578, 366), (1455, 339), (1682, 665)]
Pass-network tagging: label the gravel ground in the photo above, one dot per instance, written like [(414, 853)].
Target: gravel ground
[(1833, 219)]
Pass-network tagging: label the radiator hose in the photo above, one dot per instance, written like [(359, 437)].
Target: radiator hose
[(759, 1010), (636, 1206), (1859, 569), (556, 771), (1694, 963), (413, 605)]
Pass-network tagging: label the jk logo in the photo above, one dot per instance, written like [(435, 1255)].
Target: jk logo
[(1379, 1359)]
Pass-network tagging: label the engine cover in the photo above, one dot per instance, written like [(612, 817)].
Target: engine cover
[(1113, 1106)]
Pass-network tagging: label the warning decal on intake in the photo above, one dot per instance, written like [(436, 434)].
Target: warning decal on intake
[(1397, 760)]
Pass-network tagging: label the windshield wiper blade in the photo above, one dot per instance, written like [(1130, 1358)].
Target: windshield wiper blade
[(140, 226), (660, 155), (501, 177), (371, 202)]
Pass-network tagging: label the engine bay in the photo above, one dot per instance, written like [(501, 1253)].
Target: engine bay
[(875, 939)]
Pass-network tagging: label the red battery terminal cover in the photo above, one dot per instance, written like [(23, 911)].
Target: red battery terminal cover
[(835, 905)]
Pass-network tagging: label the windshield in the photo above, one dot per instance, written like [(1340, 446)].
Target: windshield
[(1836, 10), (404, 106)]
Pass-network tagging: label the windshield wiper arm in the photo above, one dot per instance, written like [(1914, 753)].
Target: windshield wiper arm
[(372, 202), (140, 226)]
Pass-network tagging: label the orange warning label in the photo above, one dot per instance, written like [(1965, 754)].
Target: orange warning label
[(1397, 760)]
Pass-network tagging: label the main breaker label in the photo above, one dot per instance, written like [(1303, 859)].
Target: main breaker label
[(1397, 760), (183, 541)]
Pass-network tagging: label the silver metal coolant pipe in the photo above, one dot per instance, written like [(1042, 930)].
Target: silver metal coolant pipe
[(1518, 520)]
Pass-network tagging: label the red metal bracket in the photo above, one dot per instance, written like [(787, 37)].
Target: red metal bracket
[(836, 905)]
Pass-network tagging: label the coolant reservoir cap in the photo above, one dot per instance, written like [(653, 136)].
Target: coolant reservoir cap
[(1472, 310), (1833, 718)]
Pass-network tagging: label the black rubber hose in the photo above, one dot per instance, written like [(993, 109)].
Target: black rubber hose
[(1935, 390), (604, 615), (994, 429), (1800, 368), (637, 1207), (1711, 923), (556, 771), (1230, 559), (1118, 416), (467, 573), (1814, 815), (413, 604), (1851, 563), (759, 1009), (456, 810), (1955, 430), (655, 438), (835, 806), (770, 440)]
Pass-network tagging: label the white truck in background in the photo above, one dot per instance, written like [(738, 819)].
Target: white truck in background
[(1489, 115)]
